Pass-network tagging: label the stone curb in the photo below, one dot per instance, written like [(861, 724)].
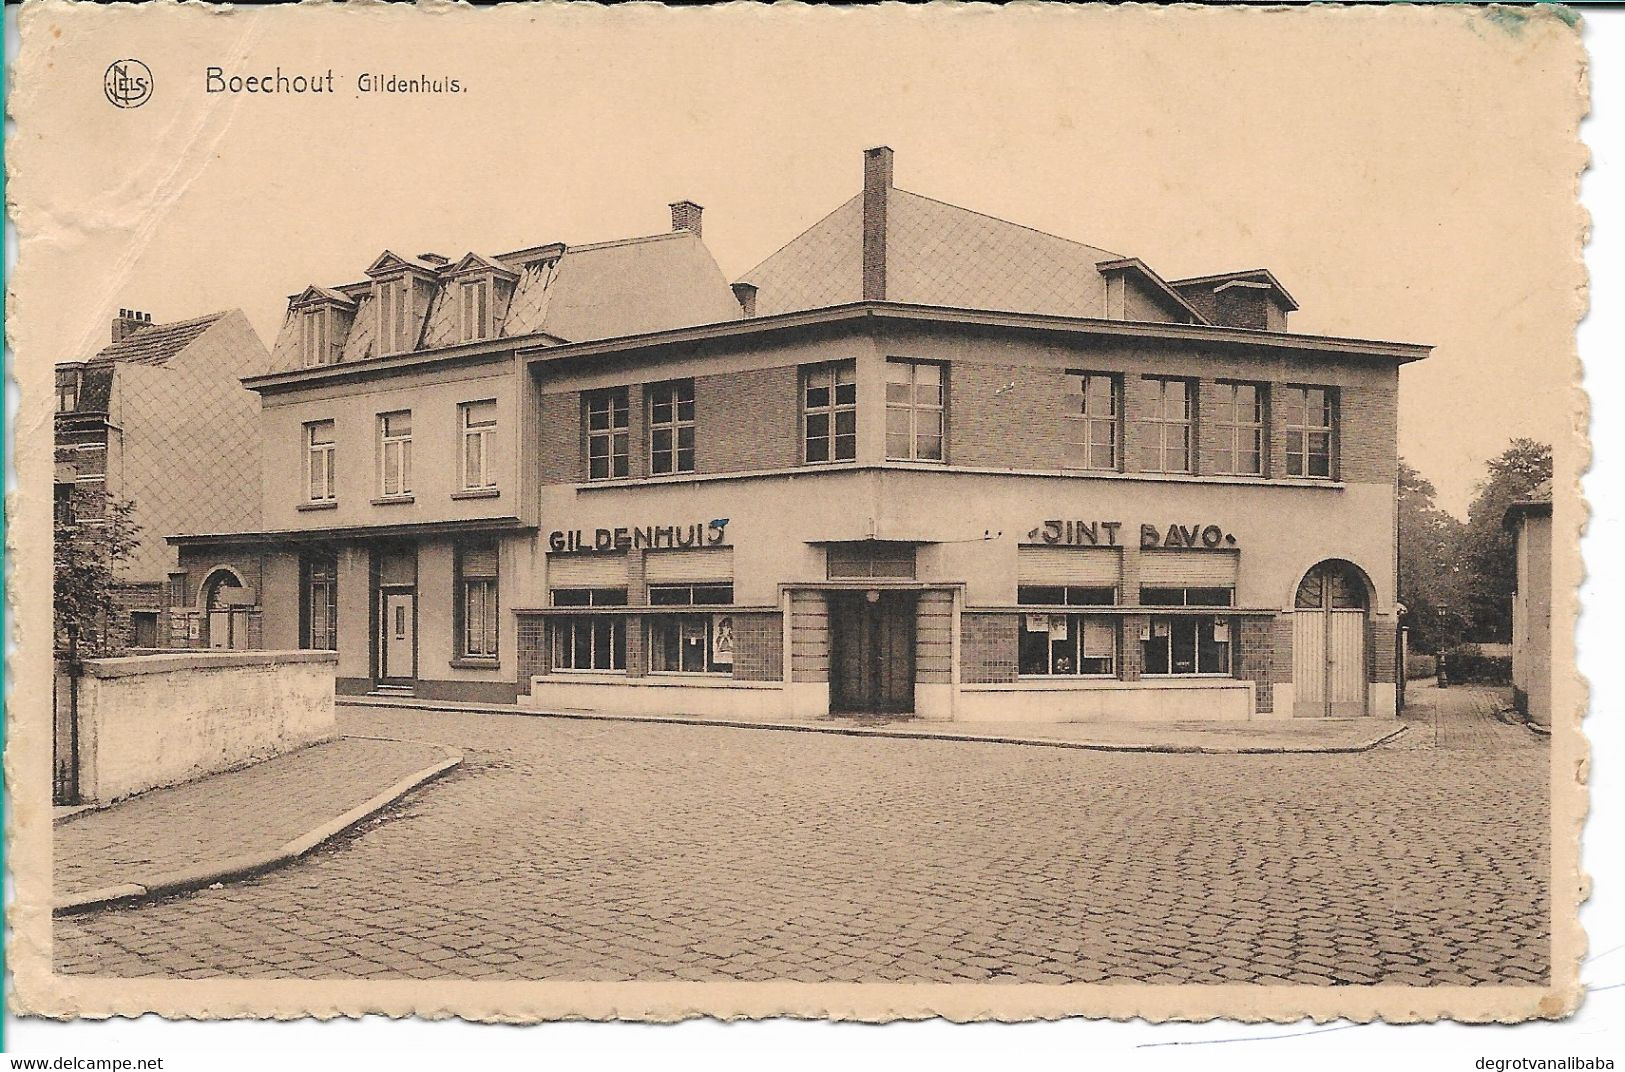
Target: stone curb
[(902, 735), (248, 864)]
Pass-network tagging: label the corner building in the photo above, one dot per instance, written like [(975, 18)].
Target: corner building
[(932, 463)]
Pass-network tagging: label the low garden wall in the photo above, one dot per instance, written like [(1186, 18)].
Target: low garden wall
[(153, 720)]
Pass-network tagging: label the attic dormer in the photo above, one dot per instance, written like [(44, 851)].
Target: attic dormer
[(401, 289), (324, 318), (478, 287)]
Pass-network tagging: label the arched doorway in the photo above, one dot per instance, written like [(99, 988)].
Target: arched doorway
[(1329, 641), (225, 604)]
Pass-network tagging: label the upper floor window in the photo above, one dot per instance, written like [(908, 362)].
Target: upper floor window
[(394, 299), (830, 413), (1094, 402), (67, 391), (62, 502), (474, 302), (609, 451), (1165, 433), (316, 336), (671, 427), (319, 462), (915, 406), (395, 453), (1309, 419), (1238, 429), (479, 423)]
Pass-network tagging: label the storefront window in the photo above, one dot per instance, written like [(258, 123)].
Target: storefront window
[(673, 595), (1068, 645), (691, 643), (1197, 644), (589, 642)]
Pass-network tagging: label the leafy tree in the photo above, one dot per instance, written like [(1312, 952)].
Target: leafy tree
[(1430, 582), (85, 556), (1487, 560)]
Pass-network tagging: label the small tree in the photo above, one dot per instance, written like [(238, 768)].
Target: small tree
[(1488, 558), (85, 558), (1429, 581)]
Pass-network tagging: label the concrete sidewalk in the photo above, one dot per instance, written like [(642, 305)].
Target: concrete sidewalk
[(233, 824), (1257, 736)]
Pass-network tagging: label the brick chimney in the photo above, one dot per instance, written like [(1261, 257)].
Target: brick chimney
[(127, 322), (685, 216), (877, 181), (745, 294)]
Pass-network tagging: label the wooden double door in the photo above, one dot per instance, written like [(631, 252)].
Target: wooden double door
[(872, 651)]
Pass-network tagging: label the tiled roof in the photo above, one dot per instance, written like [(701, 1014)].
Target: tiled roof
[(573, 293), (155, 345), (936, 254)]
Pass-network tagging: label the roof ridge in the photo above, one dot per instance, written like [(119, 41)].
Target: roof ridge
[(608, 243), (1008, 223)]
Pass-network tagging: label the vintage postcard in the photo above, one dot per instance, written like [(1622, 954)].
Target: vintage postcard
[(995, 513)]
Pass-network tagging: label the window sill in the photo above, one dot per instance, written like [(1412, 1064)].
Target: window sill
[(394, 500), (330, 504), (476, 662), (1062, 684), (477, 493)]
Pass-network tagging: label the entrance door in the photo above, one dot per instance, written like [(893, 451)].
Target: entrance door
[(1328, 643), (398, 636), (871, 651)]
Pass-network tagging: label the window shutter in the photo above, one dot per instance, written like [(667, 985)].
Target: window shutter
[(1188, 569), (586, 571), (703, 564), (1091, 567), (480, 561)]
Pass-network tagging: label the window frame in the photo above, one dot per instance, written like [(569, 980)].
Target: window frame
[(683, 621), (609, 628), (1162, 425), (1297, 405), (1077, 628), (68, 386), (318, 572), (402, 444), (831, 411), (489, 649), (317, 347), (1230, 430), (674, 395), (914, 408), (1078, 390), (393, 297), (328, 452), (1195, 622), (475, 300), (617, 406), (484, 434)]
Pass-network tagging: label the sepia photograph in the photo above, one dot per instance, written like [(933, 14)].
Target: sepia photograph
[(873, 514)]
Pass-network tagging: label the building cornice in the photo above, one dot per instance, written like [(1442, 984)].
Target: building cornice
[(351, 532), (856, 315)]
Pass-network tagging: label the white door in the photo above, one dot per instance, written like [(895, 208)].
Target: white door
[(399, 629), (219, 628), (1328, 644)]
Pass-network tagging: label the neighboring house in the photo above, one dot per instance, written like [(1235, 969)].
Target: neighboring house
[(160, 417), (1530, 522), (919, 461)]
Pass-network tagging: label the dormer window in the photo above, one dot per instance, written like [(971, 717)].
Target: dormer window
[(394, 301), (318, 343), (474, 303)]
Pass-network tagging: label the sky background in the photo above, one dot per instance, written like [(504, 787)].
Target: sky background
[(1396, 196)]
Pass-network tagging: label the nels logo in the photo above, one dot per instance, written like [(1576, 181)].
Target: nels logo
[(127, 83)]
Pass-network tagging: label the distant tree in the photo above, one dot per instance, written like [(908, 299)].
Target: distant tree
[(1430, 584), (1487, 554), (85, 557)]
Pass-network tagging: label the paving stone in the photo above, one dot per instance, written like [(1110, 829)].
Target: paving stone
[(582, 851)]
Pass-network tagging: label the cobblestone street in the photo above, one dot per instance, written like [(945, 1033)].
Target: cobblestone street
[(609, 851)]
